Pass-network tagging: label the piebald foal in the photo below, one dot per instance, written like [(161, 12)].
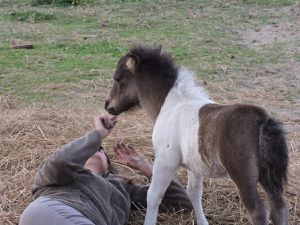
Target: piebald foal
[(208, 139)]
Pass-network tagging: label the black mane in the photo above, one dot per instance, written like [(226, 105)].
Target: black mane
[(154, 62)]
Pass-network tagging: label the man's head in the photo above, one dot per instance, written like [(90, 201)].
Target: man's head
[(98, 163)]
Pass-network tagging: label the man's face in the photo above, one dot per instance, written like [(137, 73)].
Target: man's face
[(97, 163)]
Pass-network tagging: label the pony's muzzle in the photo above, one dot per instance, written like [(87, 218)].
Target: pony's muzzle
[(106, 104), (110, 109)]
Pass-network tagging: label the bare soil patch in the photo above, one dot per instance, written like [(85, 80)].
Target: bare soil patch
[(269, 34), (276, 32)]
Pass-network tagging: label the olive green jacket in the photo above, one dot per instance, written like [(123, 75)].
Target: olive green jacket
[(104, 200)]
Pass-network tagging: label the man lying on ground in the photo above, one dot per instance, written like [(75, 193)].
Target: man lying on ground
[(77, 185)]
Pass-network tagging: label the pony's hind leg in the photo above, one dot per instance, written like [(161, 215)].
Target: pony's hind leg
[(253, 203), (279, 213), (195, 191), (245, 175)]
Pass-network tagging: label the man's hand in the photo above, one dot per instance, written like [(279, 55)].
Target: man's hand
[(131, 158), (104, 124)]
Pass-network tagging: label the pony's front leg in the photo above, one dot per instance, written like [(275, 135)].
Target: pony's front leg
[(195, 191), (164, 168)]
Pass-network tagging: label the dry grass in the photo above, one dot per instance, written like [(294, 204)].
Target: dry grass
[(29, 134)]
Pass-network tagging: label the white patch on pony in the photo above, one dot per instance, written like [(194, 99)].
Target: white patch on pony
[(186, 86), (178, 122), (175, 142)]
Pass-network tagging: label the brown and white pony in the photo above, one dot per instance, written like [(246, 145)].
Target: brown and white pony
[(208, 139)]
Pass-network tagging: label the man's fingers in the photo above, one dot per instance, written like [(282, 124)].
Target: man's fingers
[(119, 150), (116, 150), (119, 146), (112, 121), (107, 122), (114, 118), (126, 149), (123, 146), (118, 153), (132, 150)]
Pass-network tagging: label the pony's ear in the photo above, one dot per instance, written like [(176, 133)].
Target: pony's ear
[(159, 48), (131, 63)]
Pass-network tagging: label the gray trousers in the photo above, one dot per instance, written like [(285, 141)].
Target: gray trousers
[(48, 211)]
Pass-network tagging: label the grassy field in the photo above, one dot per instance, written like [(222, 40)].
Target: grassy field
[(242, 51)]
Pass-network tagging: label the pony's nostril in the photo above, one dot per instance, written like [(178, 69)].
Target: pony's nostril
[(106, 104), (111, 111)]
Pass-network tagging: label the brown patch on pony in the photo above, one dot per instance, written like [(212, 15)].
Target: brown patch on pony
[(225, 129), (251, 146), (208, 138)]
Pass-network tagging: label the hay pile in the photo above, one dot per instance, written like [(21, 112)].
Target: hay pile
[(29, 134)]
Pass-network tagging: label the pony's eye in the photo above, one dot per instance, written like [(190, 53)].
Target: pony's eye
[(117, 77)]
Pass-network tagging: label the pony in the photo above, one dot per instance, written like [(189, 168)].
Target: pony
[(239, 141)]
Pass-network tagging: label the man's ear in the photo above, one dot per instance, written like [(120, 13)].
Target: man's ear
[(131, 62)]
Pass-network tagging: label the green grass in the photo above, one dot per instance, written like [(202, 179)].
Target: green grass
[(24, 70), (85, 56), (28, 16), (297, 57), (270, 2), (61, 2), (74, 44)]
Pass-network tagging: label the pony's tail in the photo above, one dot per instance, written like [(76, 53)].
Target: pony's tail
[(273, 162)]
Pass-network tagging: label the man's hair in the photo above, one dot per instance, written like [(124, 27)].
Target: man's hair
[(110, 168)]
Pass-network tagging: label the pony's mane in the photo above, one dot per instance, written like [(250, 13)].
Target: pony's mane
[(155, 62), (186, 86), (157, 75)]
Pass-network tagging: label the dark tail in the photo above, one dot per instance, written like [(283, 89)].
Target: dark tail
[(274, 158)]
